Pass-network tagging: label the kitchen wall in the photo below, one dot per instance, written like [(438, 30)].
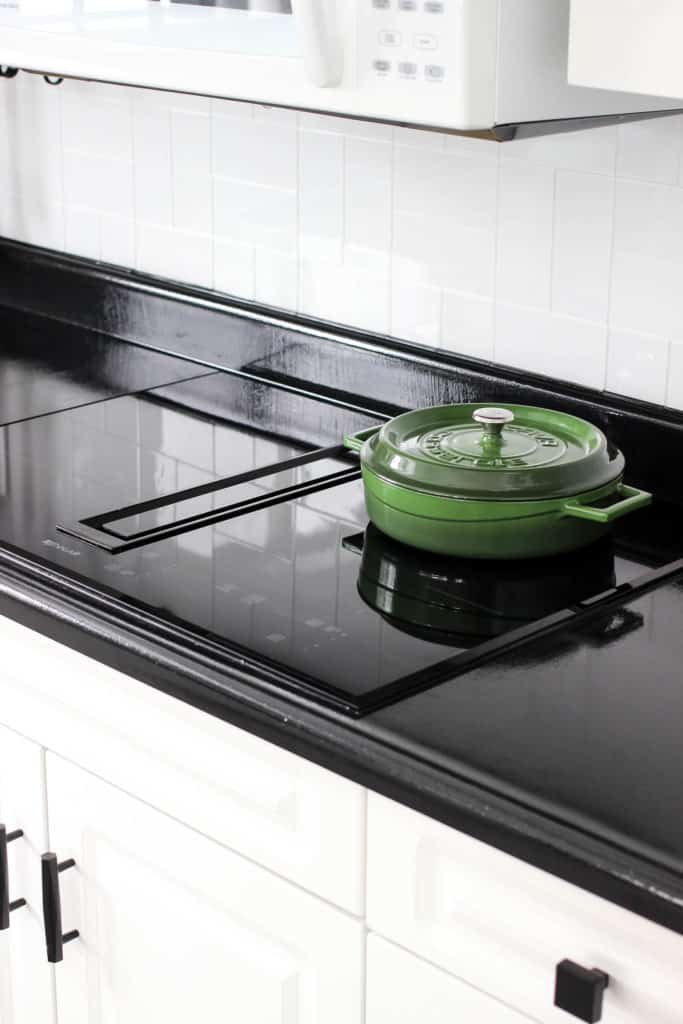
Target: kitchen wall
[(562, 255)]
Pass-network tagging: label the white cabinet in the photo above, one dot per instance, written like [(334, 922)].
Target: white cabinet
[(200, 856), (26, 983), (175, 928), (301, 821), (405, 990), (627, 45), (503, 926)]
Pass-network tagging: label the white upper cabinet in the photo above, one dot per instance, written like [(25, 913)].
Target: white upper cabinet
[(26, 993), (175, 928), (627, 45)]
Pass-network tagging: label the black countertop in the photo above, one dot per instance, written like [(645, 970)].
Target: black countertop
[(563, 752), (48, 366)]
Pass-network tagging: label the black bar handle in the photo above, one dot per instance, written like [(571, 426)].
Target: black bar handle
[(55, 939), (579, 990), (6, 907)]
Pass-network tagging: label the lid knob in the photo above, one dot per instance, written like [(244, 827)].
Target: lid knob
[(493, 420)]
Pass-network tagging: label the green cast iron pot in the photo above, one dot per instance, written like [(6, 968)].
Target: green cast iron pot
[(506, 482)]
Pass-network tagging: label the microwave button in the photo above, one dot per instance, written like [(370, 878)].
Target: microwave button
[(407, 69), (425, 42), (382, 66), (390, 38), (434, 7), (435, 73), (407, 5)]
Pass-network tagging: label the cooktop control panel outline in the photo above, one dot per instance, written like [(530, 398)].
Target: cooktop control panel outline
[(101, 530)]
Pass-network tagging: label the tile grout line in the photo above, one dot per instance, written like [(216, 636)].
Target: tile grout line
[(612, 250)]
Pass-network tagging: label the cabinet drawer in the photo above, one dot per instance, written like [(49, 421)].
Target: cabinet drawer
[(404, 990), (299, 820), (503, 926)]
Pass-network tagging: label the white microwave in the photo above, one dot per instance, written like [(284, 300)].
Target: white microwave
[(477, 66)]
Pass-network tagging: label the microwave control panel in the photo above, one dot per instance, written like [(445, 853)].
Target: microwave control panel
[(407, 41)]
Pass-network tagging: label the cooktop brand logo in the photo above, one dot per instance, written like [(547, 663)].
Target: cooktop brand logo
[(61, 548)]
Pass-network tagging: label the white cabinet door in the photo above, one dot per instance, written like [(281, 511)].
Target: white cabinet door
[(503, 926), (26, 978), (175, 928), (405, 990), (297, 819)]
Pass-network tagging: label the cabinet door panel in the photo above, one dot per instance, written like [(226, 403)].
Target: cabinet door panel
[(503, 926), (405, 990), (26, 980), (297, 819), (176, 928)]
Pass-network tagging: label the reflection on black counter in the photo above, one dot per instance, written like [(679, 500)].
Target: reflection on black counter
[(47, 367), (586, 721), (459, 601)]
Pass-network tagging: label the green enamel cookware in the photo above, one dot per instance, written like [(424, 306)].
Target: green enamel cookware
[(514, 481)]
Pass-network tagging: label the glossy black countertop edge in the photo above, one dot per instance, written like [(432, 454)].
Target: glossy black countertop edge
[(377, 372), (205, 328), (105, 628)]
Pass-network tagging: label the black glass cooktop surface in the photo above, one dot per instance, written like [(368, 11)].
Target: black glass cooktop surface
[(229, 505), (48, 366)]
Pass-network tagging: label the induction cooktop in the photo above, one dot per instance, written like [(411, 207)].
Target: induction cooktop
[(227, 506)]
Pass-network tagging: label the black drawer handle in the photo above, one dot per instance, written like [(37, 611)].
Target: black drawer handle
[(579, 990), (55, 939), (6, 907)]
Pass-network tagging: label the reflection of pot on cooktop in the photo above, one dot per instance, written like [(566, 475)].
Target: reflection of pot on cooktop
[(463, 602)]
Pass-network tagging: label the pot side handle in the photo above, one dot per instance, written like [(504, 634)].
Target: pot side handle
[(355, 442), (631, 499)]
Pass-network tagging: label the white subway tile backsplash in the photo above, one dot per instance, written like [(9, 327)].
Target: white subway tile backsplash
[(525, 232), (321, 193), (415, 306), (117, 239), (191, 143), (261, 151), (647, 265), (651, 150), (368, 193), (276, 278), (527, 253), (193, 203), (554, 345), (582, 244), (255, 215), (233, 270), (445, 216), (98, 183), (153, 195), (674, 391), (86, 107), (637, 365), (181, 256), (82, 232), (594, 150), (468, 325)]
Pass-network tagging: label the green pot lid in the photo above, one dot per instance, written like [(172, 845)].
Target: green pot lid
[(504, 452)]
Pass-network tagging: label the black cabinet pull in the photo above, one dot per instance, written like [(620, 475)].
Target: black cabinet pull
[(55, 939), (6, 907), (579, 990)]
